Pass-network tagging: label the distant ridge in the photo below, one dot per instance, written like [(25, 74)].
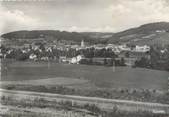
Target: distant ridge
[(150, 34), (92, 37)]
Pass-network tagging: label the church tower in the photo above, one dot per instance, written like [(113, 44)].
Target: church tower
[(82, 43)]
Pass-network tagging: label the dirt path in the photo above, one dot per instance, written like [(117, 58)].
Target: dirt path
[(100, 102), (44, 112)]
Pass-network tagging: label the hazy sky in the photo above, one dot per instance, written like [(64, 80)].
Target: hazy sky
[(81, 15)]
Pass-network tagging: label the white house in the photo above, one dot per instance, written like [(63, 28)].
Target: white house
[(76, 60), (99, 46), (49, 49), (124, 48), (110, 46), (144, 48), (114, 48), (73, 60), (79, 57), (24, 51), (45, 58), (33, 56), (163, 51)]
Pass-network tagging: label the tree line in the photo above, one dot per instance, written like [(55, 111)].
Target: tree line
[(159, 59)]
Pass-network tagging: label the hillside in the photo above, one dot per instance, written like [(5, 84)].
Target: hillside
[(153, 33), (91, 37), (150, 34)]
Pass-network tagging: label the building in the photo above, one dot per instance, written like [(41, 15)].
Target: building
[(82, 43), (144, 48), (124, 48), (33, 56), (99, 46), (73, 60), (77, 59)]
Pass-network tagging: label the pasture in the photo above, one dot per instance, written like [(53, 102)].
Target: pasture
[(100, 76)]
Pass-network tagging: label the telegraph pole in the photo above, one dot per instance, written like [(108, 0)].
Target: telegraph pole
[(48, 63), (0, 69), (168, 84), (114, 66)]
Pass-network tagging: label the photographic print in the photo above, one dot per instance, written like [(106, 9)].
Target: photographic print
[(84, 58)]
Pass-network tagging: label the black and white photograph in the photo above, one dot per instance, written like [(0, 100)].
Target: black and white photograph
[(84, 58)]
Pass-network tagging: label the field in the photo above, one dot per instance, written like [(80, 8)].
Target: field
[(41, 92), (83, 75)]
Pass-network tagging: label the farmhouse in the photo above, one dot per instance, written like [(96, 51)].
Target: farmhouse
[(33, 56), (77, 59), (144, 48), (124, 48)]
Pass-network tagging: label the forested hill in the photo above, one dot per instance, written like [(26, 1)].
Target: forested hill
[(152, 33), (149, 34), (92, 37)]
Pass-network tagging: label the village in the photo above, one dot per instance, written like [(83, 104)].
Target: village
[(74, 54), (63, 51), (84, 58)]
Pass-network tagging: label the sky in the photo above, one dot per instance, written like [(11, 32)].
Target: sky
[(80, 15)]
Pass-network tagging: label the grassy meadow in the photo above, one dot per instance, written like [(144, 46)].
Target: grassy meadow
[(69, 74)]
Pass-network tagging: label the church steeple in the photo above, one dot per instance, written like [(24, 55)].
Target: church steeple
[(82, 43)]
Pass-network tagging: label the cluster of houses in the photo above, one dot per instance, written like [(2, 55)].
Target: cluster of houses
[(122, 51), (73, 60)]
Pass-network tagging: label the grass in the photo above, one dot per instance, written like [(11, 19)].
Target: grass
[(50, 81), (101, 76)]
